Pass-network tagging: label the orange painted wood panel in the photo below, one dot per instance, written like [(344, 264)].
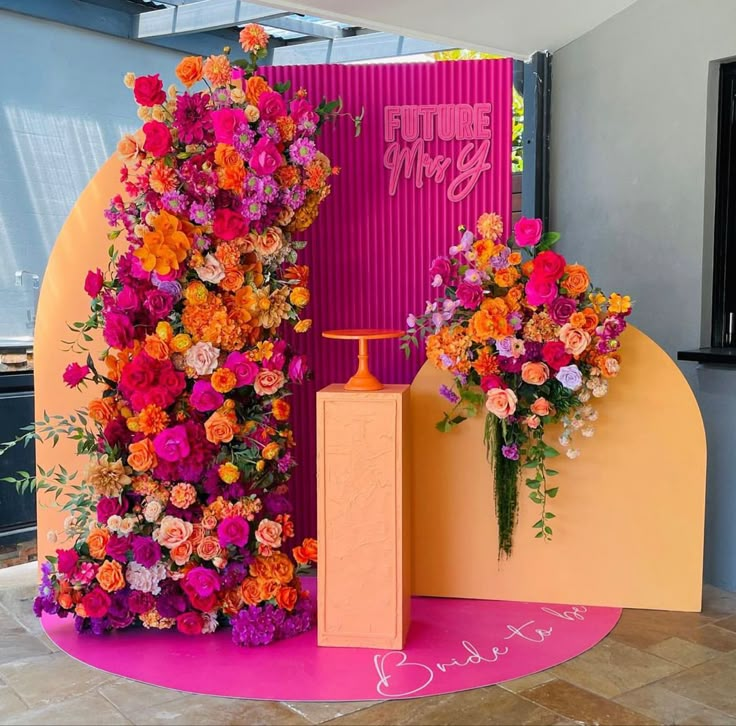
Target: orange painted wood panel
[(364, 584), (630, 510)]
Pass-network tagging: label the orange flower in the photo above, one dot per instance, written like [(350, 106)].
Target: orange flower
[(576, 280), (152, 420), (182, 553), (253, 38), (226, 155), (208, 548), (217, 70), (287, 176), (233, 280), (578, 320), (254, 87), (280, 409), (156, 348), (486, 364), (250, 591), (165, 246), (162, 178), (142, 455), (286, 127), (181, 343), (591, 320), (130, 147), (220, 427), (490, 225), (230, 177), (268, 589), (97, 542), (286, 598), (261, 567), (300, 273), (228, 472), (103, 410), (189, 71), (270, 451), (110, 576), (282, 568), (527, 268), (299, 296), (483, 326), (183, 495), (223, 380), (514, 258), (534, 373), (506, 277)]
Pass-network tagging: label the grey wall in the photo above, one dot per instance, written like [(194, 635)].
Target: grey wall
[(633, 144), (63, 108)]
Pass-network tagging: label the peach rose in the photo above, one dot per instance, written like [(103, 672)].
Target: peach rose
[(182, 553), (97, 542), (189, 70), (152, 510), (203, 358), (211, 271), (501, 402), (219, 428), (208, 548), (142, 455), (130, 147), (299, 296), (270, 242), (173, 531), (103, 410), (197, 534), (286, 598), (209, 521), (269, 533), (576, 341), (541, 407), (534, 373), (252, 114), (250, 591), (532, 422), (282, 568), (268, 382), (110, 576), (576, 281)]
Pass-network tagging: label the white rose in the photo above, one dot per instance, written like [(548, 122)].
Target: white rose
[(152, 510)]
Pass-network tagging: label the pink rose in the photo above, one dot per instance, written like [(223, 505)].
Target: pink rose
[(158, 138), (302, 110), (190, 623), (127, 299), (244, 368), (575, 340), (228, 224), (224, 121), (118, 332), (212, 270), (149, 90), (233, 530), (93, 282), (528, 232), (172, 444), (501, 402), (75, 374), (532, 422), (67, 561), (269, 533), (205, 398), (441, 271), (298, 368), (539, 291), (203, 581), (271, 105), (549, 265), (268, 382), (266, 158), (470, 296), (203, 358)]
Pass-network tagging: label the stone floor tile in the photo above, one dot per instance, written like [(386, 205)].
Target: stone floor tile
[(683, 652), (583, 706), (644, 628), (667, 707), (10, 703), (612, 668), (728, 623), (19, 646), (128, 696), (51, 678), (481, 706), (712, 636), (319, 712), (90, 709), (194, 710), (712, 684), (525, 682), (718, 603)]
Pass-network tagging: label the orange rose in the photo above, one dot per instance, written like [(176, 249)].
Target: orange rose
[(270, 242), (310, 547), (142, 455), (270, 451), (541, 407), (156, 348), (233, 279), (300, 555), (534, 373), (110, 576), (576, 281), (97, 542), (232, 602), (254, 87), (220, 427), (230, 177), (282, 568), (286, 598), (261, 567), (197, 534), (280, 409), (65, 600), (208, 548), (103, 410), (506, 277), (577, 320), (591, 320), (575, 340), (226, 155), (223, 380), (268, 589), (189, 71), (501, 402), (182, 553), (299, 296), (250, 591)]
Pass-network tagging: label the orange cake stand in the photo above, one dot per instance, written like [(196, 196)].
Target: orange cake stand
[(363, 380)]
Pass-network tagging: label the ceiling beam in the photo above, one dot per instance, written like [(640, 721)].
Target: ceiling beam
[(200, 16), (365, 46), (309, 28)]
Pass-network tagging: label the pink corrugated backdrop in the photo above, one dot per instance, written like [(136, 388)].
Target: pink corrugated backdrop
[(370, 252)]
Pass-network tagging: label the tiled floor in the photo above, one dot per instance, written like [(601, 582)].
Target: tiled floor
[(654, 668)]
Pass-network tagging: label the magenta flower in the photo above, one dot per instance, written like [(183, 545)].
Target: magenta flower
[(203, 581), (298, 368), (244, 368), (93, 282), (224, 123), (172, 444), (233, 530), (302, 151), (265, 158), (67, 561), (75, 374), (192, 117), (206, 398), (470, 296)]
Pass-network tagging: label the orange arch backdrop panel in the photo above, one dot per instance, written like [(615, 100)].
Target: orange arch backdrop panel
[(630, 509), (80, 246)]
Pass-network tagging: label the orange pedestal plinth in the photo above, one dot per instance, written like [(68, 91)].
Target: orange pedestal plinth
[(363, 517)]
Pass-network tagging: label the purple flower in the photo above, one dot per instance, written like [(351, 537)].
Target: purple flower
[(170, 287), (449, 394), (146, 552), (202, 213), (192, 117), (269, 130), (561, 308), (570, 377), (262, 625), (253, 209), (302, 151), (276, 504), (140, 602), (174, 201), (243, 138), (285, 463), (171, 602), (119, 614), (510, 452)]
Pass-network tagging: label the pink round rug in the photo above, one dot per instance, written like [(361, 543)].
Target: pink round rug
[(453, 645)]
